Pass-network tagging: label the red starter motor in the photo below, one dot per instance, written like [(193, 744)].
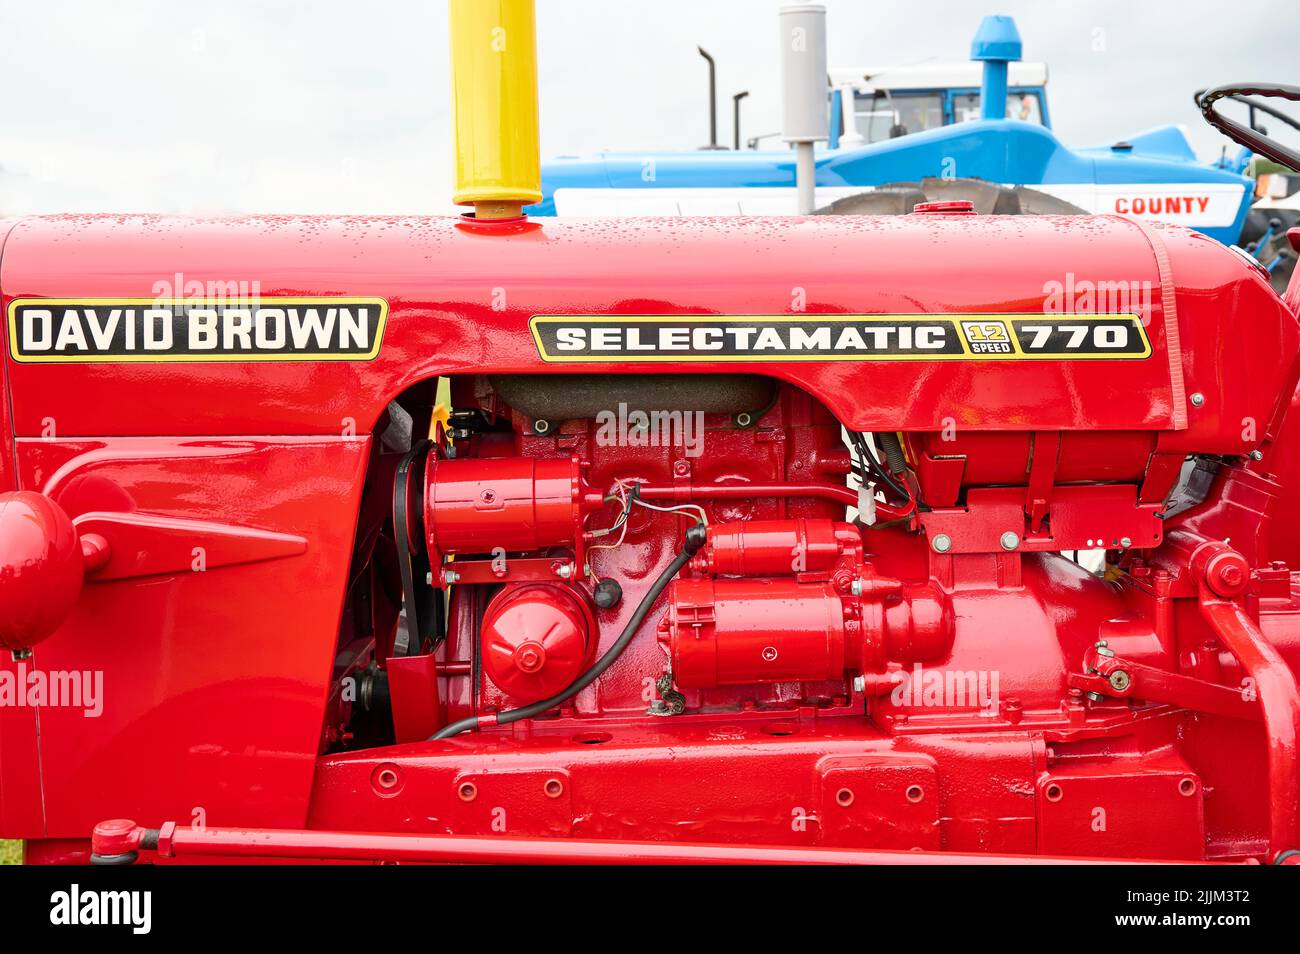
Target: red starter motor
[(809, 608)]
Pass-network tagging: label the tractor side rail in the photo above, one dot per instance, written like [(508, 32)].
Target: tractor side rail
[(120, 841)]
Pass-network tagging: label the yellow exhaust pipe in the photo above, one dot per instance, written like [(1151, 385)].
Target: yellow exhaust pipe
[(494, 104)]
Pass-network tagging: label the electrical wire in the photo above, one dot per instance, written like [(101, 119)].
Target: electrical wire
[(678, 509), (869, 469), (629, 499), (868, 459), (620, 523)]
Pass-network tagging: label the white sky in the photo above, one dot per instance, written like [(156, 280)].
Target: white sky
[(296, 106)]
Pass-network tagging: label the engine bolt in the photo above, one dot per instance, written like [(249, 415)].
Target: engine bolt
[(1257, 455), (1009, 540), (743, 419), (1125, 542), (1120, 680), (1197, 399), (540, 426), (450, 576), (769, 653), (530, 657), (942, 543)]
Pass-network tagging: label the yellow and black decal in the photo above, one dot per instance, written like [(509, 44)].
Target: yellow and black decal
[(261, 328), (960, 337)]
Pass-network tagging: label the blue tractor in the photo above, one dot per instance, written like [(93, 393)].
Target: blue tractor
[(896, 137)]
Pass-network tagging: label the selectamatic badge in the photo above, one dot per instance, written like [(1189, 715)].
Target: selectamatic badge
[(958, 337)]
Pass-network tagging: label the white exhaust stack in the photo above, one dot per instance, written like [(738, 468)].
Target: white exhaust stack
[(803, 83)]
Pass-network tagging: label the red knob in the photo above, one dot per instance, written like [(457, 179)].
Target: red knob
[(41, 567)]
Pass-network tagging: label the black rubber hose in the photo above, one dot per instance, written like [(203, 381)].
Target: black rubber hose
[(695, 537)]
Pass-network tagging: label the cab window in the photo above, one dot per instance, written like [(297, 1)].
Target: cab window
[(1022, 106), (879, 116)]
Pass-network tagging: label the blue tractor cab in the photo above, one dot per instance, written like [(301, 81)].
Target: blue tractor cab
[(873, 104)]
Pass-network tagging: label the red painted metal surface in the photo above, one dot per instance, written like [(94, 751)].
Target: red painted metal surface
[(41, 568), (942, 680), (213, 680), (1275, 686), (413, 684)]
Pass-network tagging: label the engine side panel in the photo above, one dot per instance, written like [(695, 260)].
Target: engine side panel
[(211, 679)]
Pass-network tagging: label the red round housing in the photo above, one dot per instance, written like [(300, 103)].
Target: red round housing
[(536, 639), (40, 568)]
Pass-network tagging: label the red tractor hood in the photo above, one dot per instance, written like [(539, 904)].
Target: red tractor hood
[(648, 295)]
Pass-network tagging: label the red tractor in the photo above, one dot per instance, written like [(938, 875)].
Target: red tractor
[(697, 540)]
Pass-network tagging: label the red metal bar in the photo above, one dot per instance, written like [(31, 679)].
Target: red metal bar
[(1276, 687), (118, 837), (1156, 685), (688, 492)]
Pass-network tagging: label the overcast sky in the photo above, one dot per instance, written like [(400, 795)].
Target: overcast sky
[(342, 106)]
